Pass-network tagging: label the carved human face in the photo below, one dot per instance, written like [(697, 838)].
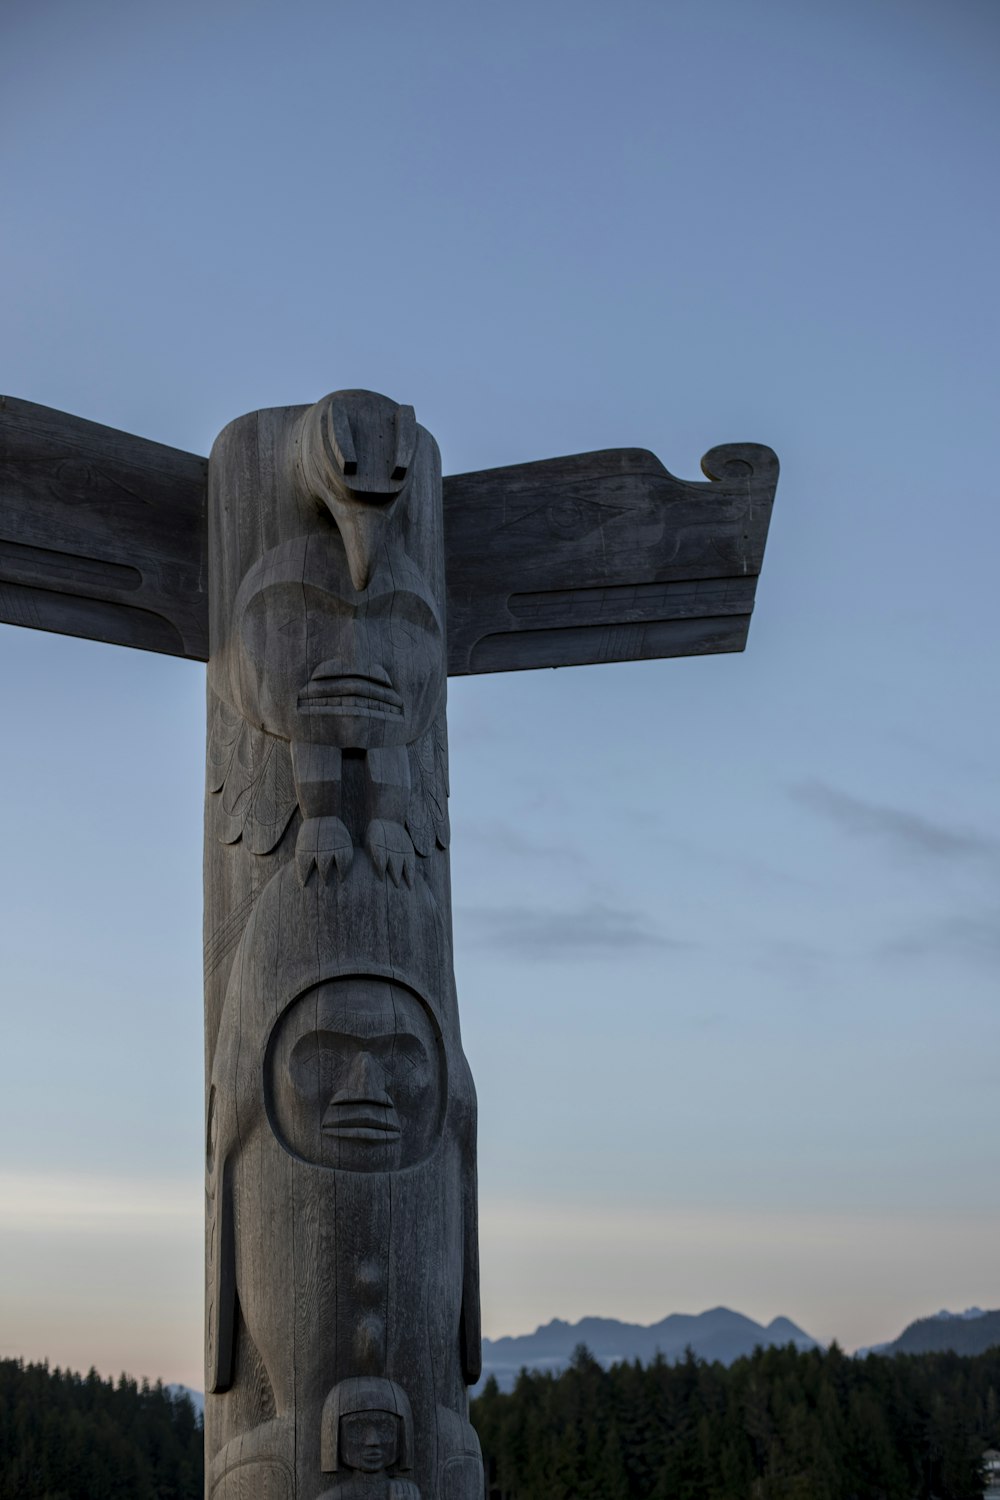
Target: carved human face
[(355, 1076), (314, 660), (369, 1441)]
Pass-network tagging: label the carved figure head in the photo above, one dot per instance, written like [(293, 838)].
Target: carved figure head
[(355, 1076), (354, 451), (367, 1426), (327, 607), (315, 659), (369, 1441), (342, 994)]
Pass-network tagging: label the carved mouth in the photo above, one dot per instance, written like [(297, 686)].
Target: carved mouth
[(361, 1120), (352, 693)]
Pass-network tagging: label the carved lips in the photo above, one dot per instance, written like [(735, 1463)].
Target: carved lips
[(332, 691), (355, 1119)]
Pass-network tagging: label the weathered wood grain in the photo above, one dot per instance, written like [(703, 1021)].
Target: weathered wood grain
[(604, 557), (596, 557), (102, 534), (342, 1306)]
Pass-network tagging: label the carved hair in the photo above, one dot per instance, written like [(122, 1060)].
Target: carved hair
[(360, 1394)]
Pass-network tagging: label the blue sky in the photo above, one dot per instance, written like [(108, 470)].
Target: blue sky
[(727, 930)]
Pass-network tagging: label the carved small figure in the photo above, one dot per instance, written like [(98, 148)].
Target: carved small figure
[(368, 1441)]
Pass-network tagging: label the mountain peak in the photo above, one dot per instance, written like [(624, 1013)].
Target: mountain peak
[(718, 1333)]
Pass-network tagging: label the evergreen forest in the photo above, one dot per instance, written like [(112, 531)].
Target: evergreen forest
[(78, 1437), (781, 1425)]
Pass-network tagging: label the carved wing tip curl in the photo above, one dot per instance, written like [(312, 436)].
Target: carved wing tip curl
[(740, 461)]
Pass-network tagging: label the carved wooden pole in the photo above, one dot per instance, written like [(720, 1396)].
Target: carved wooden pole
[(342, 1297), (342, 1301)]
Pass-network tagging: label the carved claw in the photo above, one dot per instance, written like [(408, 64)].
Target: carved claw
[(323, 842), (391, 849)]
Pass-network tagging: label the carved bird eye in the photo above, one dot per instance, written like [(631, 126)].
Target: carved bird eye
[(566, 516), (569, 518)]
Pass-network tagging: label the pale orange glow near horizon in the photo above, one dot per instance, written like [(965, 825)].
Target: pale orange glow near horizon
[(106, 1272)]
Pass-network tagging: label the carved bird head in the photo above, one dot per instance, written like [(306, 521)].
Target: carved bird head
[(354, 454)]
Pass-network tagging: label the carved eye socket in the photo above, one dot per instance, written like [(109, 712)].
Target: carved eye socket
[(409, 1064), (410, 619), (322, 1061)]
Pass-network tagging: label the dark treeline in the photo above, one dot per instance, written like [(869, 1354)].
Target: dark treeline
[(781, 1425), (78, 1437)]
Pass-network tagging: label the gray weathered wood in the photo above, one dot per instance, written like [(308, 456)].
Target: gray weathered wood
[(316, 574), (101, 534), (342, 1278), (604, 557), (596, 557)]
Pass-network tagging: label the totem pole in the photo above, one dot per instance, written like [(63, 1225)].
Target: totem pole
[(342, 1266), (313, 562)]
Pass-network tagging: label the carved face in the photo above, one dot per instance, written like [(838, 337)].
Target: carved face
[(354, 1076), (369, 1441), (314, 660)]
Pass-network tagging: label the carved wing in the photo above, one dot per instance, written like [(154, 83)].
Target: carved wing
[(594, 557), (427, 811), (220, 1283), (604, 557), (250, 774), (471, 1330)]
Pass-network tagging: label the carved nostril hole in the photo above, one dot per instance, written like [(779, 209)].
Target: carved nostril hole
[(341, 438), (406, 441)]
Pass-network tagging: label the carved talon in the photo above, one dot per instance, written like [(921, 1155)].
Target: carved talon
[(323, 842), (391, 849)]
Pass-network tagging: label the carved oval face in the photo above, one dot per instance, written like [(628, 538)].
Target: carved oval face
[(369, 1441), (355, 1076), (314, 660)]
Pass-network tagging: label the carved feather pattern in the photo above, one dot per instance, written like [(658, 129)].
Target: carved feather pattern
[(250, 774), (427, 811)]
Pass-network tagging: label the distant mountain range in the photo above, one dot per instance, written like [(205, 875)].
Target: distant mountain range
[(718, 1334), (969, 1332)]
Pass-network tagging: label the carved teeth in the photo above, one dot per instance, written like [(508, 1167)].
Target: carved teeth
[(348, 703)]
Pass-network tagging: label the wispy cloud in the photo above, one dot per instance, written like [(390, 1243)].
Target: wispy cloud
[(793, 959), (906, 832), (593, 929), (505, 838), (971, 935)]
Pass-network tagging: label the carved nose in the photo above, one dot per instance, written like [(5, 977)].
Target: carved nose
[(365, 1084)]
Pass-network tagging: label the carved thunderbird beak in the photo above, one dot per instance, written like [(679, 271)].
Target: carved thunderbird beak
[(354, 454), (362, 527)]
